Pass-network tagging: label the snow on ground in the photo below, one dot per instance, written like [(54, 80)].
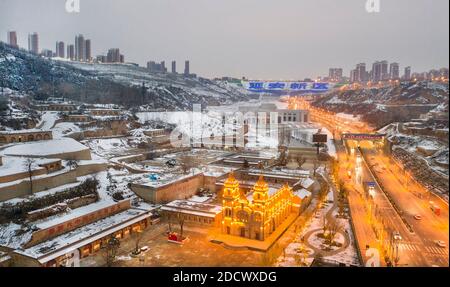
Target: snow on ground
[(13, 165), (45, 148), (349, 117), (51, 191), (330, 143), (199, 199), (48, 120), (63, 129), (109, 147), (14, 235)]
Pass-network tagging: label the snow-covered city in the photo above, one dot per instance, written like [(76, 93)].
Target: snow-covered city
[(105, 162)]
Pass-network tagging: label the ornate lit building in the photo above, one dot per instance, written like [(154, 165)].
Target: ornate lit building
[(258, 214)]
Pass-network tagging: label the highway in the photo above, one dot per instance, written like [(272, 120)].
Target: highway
[(428, 229), (417, 247)]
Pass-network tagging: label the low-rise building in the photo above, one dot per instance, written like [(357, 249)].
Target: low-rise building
[(60, 107), (169, 188), (63, 242), (104, 112), (78, 118), (24, 136), (64, 148), (193, 212)]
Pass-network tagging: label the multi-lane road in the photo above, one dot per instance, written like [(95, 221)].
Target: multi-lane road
[(416, 244), (430, 228)]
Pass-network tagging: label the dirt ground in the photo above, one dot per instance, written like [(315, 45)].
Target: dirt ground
[(198, 251)]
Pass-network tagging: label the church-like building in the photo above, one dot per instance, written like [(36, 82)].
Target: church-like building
[(259, 213)]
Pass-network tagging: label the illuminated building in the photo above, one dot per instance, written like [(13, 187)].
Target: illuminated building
[(258, 214)]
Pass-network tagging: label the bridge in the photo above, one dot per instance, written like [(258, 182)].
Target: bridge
[(363, 137), (355, 140)]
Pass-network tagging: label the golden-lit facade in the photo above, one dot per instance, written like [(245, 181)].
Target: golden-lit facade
[(258, 215)]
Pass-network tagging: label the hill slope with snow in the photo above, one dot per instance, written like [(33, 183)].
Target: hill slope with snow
[(123, 84), (381, 106)]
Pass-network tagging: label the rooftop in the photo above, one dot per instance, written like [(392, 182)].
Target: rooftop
[(45, 148), (193, 207), (13, 165), (79, 237)]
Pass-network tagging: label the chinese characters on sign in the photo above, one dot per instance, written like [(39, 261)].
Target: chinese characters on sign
[(262, 86)]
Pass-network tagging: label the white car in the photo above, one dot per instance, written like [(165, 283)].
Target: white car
[(397, 235), (440, 243)]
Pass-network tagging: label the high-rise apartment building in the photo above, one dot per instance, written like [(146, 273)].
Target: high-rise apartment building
[(394, 71), (407, 75), (361, 73), (113, 55), (80, 48), (186, 68), (33, 43), (60, 49), (174, 67), (12, 38), (335, 74), (71, 52), (87, 53)]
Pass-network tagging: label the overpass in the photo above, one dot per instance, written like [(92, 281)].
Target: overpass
[(354, 140)]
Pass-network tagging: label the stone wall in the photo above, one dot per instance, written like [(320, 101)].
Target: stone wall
[(21, 175), (39, 184), (91, 168)]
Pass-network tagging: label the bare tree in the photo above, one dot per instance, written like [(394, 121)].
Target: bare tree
[(180, 219), (300, 161), (334, 228), (168, 216), (282, 159), (325, 225), (28, 165), (137, 236), (187, 162), (111, 248), (316, 166), (72, 163)]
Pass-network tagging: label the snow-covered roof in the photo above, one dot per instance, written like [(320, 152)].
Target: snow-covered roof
[(78, 212), (305, 182), (217, 171), (302, 193), (24, 131), (13, 165), (193, 207), (45, 148), (168, 178), (79, 237)]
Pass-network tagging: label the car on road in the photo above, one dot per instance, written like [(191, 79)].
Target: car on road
[(418, 217), (144, 249), (440, 243), (397, 235)]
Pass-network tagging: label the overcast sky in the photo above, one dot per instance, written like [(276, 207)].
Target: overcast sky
[(260, 39)]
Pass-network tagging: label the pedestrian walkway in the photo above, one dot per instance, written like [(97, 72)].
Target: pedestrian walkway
[(435, 250)]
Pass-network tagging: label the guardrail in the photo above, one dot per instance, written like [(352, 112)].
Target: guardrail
[(387, 195)]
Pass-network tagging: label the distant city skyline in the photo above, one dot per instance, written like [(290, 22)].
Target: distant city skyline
[(260, 40)]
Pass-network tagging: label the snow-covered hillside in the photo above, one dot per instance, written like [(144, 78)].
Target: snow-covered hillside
[(124, 84)]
